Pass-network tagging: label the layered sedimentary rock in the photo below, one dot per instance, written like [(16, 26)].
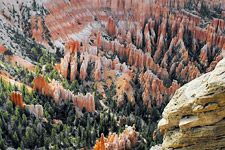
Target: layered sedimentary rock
[(123, 86), (104, 69), (173, 59), (37, 110), (88, 53), (163, 36), (154, 90), (83, 68), (64, 65), (160, 44), (17, 98), (111, 27), (98, 67), (16, 60), (86, 101), (62, 21), (73, 67), (125, 140), (223, 14), (57, 92), (194, 118), (81, 16), (72, 47)]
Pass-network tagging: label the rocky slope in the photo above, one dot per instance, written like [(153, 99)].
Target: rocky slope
[(122, 60), (194, 118), (177, 40)]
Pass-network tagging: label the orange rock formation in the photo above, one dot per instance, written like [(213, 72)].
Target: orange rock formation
[(155, 90), (148, 33), (17, 99), (37, 110), (125, 140), (111, 27), (57, 92)]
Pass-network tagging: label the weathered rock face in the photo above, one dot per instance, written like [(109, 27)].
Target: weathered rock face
[(73, 67), (37, 110), (70, 58), (16, 60), (72, 47), (194, 118), (57, 92), (123, 86), (223, 14), (64, 65), (17, 98), (160, 35), (154, 90), (178, 50), (98, 67), (86, 101), (111, 27), (83, 68), (104, 68), (125, 140)]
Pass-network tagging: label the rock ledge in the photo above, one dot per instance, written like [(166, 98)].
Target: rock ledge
[(195, 117)]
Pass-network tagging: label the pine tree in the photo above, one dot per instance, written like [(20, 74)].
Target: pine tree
[(78, 142), (2, 142), (53, 135), (24, 120), (16, 139), (75, 122), (22, 145), (93, 135)]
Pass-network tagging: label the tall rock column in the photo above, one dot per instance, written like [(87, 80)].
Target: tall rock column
[(111, 26), (17, 99), (73, 66)]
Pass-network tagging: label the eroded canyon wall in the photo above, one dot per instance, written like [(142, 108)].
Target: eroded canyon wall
[(176, 43)]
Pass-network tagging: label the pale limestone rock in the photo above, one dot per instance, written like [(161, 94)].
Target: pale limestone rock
[(194, 118), (37, 110)]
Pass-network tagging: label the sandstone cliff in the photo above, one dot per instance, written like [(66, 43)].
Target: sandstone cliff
[(194, 118)]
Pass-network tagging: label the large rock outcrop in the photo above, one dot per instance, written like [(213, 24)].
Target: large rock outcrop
[(194, 118)]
